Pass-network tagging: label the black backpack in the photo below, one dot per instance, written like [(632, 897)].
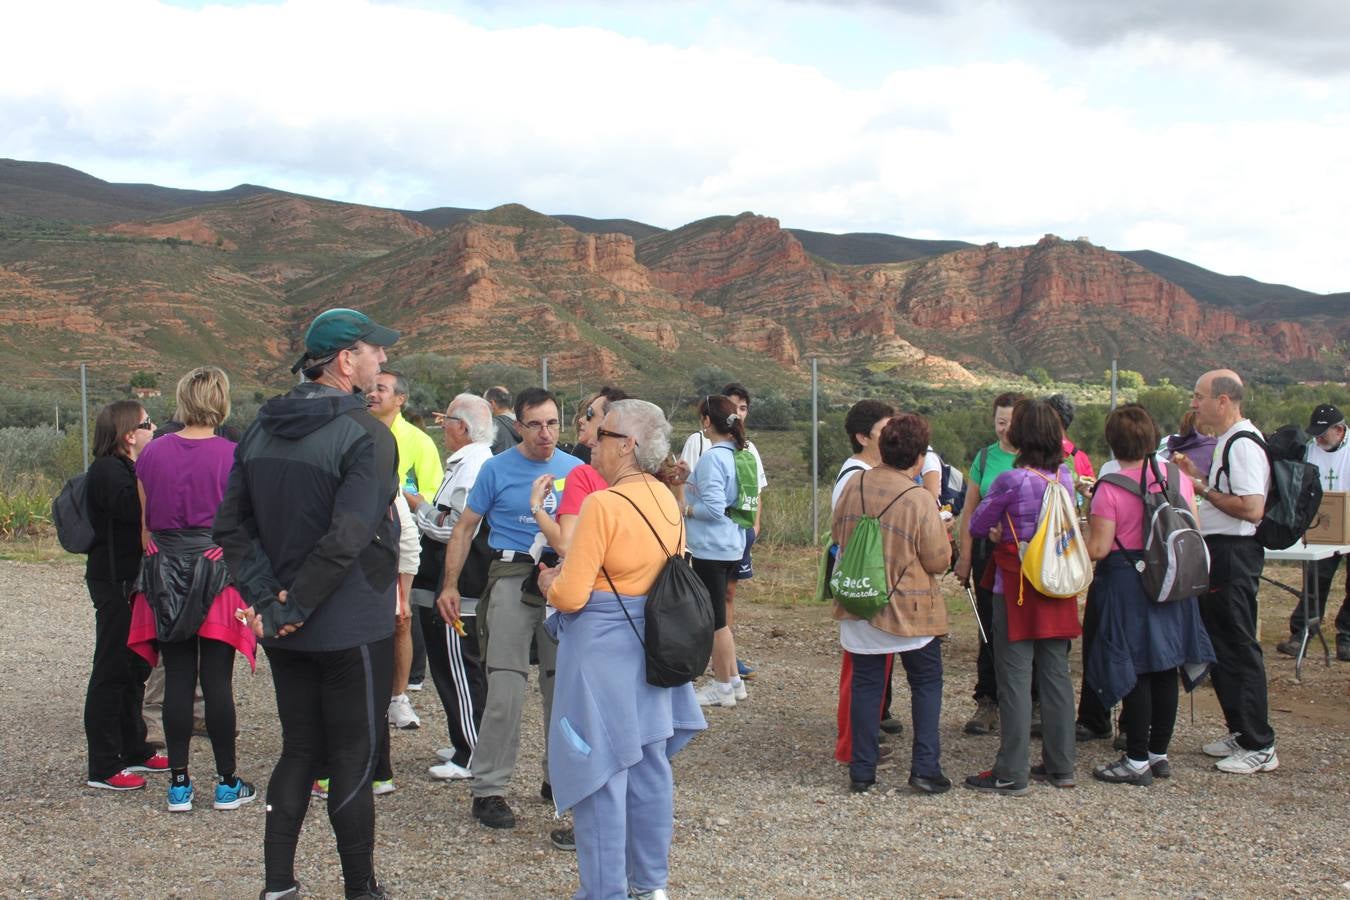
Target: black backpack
[(1295, 486), (679, 613), (1174, 563), (70, 515)]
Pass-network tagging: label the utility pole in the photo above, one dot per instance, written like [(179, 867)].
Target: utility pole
[(815, 452), (543, 371), (1113, 382), (84, 418)]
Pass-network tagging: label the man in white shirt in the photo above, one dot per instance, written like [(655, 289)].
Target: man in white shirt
[(454, 659), (1330, 452), (1234, 500)]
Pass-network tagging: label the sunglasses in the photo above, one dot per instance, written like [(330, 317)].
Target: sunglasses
[(590, 413), (602, 433), (147, 425)]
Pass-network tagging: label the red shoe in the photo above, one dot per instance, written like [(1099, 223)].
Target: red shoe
[(122, 781), (157, 764)]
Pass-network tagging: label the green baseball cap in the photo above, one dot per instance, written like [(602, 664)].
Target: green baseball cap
[(334, 330)]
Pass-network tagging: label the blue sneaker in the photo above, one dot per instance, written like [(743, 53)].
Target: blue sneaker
[(180, 797), (235, 795), (743, 670)]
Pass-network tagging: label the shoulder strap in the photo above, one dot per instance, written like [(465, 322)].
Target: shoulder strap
[(649, 525), (1121, 481), (912, 487), (981, 459), (847, 469), (1228, 446)]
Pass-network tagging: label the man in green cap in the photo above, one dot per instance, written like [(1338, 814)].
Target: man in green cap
[(309, 536)]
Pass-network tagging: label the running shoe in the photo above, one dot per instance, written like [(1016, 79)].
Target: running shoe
[(121, 781), (233, 796), (157, 764), (180, 797)]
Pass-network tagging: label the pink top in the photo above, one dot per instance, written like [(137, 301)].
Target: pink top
[(1127, 510), (1078, 461), (184, 480), (581, 483)]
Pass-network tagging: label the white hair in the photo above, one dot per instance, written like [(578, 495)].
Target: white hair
[(477, 415), (646, 424)]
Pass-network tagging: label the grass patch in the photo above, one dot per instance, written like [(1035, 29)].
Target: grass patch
[(26, 507)]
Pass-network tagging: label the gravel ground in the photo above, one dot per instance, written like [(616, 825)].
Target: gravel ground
[(762, 809)]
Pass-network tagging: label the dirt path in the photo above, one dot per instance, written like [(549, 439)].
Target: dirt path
[(762, 809)]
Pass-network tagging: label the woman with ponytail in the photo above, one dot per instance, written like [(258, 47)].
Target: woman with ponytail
[(715, 541)]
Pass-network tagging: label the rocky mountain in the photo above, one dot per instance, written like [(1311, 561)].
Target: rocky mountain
[(234, 279)]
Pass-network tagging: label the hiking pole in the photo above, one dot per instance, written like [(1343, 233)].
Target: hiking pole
[(970, 595)]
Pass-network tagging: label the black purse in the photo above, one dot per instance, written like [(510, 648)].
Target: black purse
[(679, 618)]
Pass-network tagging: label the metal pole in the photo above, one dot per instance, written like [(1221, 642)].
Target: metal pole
[(543, 371), (84, 418), (815, 453), (1113, 382)]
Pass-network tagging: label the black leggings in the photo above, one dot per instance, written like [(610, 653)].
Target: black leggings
[(715, 573), (332, 705), (182, 661), (1149, 713)]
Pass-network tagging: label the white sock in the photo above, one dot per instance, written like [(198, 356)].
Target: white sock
[(736, 681), (1135, 765), (725, 687), (1156, 757)]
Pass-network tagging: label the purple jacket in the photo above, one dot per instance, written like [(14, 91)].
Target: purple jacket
[(1016, 493), (1198, 447)]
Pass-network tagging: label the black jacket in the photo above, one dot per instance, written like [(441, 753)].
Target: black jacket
[(115, 513), (308, 510)]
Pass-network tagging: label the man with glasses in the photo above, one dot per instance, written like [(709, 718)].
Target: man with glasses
[(454, 658), (511, 612), (1232, 498)]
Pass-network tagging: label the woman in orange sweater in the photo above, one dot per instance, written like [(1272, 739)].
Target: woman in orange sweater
[(612, 734)]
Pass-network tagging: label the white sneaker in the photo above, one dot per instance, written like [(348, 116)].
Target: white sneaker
[(449, 771), (414, 685), (401, 713), (1249, 762), (1223, 748), (380, 788), (712, 695), (445, 754), (738, 689), (658, 894)]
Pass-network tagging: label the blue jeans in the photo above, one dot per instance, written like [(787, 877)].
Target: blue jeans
[(923, 671)]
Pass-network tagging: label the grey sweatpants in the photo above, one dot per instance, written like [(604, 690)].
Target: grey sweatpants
[(511, 626), (1013, 669)]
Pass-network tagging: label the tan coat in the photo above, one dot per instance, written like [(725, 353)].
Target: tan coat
[(913, 542)]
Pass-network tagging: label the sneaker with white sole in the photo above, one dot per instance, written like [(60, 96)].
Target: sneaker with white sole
[(118, 781), (414, 685), (1223, 748), (449, 771), (658, 894), (712, 695), (401, 713), (380, 788), (739, 691), (1249, 762), (180, 797), (233, 796)]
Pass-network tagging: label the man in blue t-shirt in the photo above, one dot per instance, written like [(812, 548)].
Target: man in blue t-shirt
[(511, 612)]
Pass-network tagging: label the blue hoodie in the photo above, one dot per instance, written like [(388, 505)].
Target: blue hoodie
[(711, 489)]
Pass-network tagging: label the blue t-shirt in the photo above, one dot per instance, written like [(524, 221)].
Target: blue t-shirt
[(502, 495)]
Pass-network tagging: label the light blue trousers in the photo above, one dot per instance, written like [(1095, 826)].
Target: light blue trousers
[(624, 830)]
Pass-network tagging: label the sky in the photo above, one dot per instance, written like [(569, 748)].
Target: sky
[(1216, 131)]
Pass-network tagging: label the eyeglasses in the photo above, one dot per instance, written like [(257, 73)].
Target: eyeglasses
[(534, 427), (602, 433), (446, 420), (147, 425)]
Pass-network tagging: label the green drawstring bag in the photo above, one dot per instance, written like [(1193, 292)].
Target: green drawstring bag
[(859, 582), (746, 505)]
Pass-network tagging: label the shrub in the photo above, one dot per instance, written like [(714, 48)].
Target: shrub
[(30, 451), (25, 506)]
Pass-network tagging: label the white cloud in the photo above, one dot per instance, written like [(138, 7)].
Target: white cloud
[(414, 107)]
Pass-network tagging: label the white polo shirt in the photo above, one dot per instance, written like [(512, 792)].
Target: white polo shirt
[(1248, 474)]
